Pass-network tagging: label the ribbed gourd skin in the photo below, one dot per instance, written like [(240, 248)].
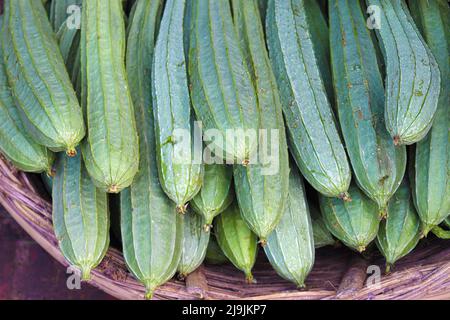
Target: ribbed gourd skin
[(355, 223), (111, 148), (69, 45), (290, 247), (41, 87), (412, 76), (222, 93), (262, 187), (216, 194), (151, 229), (313, 136), (320, 36), (181, 178), (80, 215), (15, 144), (194, 246), (237, 241), (400, 232), (322, 236), (430, 170), (378, 165)]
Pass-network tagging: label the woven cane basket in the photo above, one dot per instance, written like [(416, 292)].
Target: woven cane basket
[(338, 273)]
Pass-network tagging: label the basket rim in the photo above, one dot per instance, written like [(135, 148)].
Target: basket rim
[(424, 274)]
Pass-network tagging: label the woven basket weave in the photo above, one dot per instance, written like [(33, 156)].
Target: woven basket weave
[(337, 274)]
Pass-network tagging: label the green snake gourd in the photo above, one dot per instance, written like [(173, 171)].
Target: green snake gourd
[(151, 229), (222, 93), (194, 246), (111, 149), (430, 170), (322, 236), (378, 165), (313, 136), (355, 223), (290, 247), (80, 215), (400, 232), (40, 84), (262, 187), (412, 76), (216, 193), (237, 241), (180, 175), (15, 144)]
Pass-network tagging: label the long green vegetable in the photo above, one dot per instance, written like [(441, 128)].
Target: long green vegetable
[(151, 229), (111, 149), (377, 163), (412, 76), (313, 136), (221, 89), (430, 170), (80, 215), (15, 144), (181, 178), (262, 188), (44, 95)]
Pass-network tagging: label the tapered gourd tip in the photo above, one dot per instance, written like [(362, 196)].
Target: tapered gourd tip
[(388, 268), (113, 189), (149, 293), (245, 162), (71, 152), (301, 285), (397, 141), (51, 172), (345, 196), (425, 230), (249, 277), (262, 242), (383, 214), (181, 276), (182, 208), (361, 249), (207, 227), (86, 273)]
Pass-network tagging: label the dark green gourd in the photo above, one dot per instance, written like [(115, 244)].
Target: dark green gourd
[(262, 186), (355, 223), (222, 93), (430, 170), (237, 241), (313, 136), (215, 255), (80, 215), (180, 173), (44, 96), (111, 149), (322, 236), (194, 244), (378, 165), (151, 229), (412, 76), (400, 233), (216, 193), (15, 144), (290, 247)]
